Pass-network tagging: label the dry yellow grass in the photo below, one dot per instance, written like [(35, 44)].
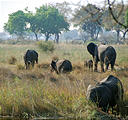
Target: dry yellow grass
[(38, 92)]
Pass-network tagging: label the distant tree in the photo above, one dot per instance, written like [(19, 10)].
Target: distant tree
[(16, 23), (113, 25), (89, 12), (84, 36), (51, 21), (89, 19), (92, 28), (116, 15), (32, 23), (64, 9), (126, 18)]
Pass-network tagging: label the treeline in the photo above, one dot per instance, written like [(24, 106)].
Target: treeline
[(46, 20), (53, 19)]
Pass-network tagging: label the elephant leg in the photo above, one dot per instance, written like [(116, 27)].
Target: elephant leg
[(89, 67), (26, 65), (107, 62), (37, 61), (102, 66), (32, 63), (112, 66), (95, 64), (107, 65)]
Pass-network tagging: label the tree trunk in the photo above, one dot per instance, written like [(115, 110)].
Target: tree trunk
[(118, 35), (125, 34), (57, 38), (92, 36), (97, 35), (47, 36), (36, 36)]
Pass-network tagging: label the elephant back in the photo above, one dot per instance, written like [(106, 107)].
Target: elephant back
[(116, 87), (64, 65), (109, 91), (30, 55), (101, 49), (100, 94), (111, 53)]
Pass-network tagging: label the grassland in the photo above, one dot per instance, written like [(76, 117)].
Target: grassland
[(40, 93)]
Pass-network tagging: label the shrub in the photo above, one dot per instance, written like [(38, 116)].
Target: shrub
[(12, 60), (46, 46)]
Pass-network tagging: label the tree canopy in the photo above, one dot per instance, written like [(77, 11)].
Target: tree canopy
[(50, 21), (16, 23), (47, 20)]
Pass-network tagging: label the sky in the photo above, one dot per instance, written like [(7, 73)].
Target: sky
[(9, 6)]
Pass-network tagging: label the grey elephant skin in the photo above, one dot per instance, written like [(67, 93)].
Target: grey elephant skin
[(107, 93), (30, 57), (103, 53), (61, 66)]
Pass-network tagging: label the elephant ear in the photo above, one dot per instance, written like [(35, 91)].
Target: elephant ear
[(91, 47)]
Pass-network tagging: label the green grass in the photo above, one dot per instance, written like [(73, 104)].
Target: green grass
[(38, 92)]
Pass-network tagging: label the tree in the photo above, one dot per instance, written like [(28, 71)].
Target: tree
[(64, 9), (113, 25), (32, 23), (92, 28), (51, 21), (16, 23), (89, 19), (111, 6)]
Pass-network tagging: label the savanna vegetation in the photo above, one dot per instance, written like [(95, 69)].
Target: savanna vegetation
[(39, 93)]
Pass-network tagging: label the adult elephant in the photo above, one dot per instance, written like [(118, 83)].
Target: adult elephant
[(61, 66), (30, 57), (107, 93), (103, 53)]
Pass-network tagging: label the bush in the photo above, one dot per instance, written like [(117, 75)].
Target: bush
[(46, 46), (12, 60)]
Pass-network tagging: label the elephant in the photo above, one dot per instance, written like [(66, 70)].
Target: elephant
[(103, 53), (30, 57), (89, 64), (61, 66), (106, 93)]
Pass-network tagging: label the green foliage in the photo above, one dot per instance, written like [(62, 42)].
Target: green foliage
[(46, 20), (16, 23), (46, 46), (92, 28), (50, 21), (32, 23)]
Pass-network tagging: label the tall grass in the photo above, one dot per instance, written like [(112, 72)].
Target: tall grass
[(37, 92)]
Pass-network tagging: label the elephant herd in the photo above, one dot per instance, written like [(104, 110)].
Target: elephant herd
[(103, 53), (106, 93)]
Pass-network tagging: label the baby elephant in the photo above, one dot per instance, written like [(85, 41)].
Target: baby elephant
[(107, 93), (89, 64), (30, 57), (61, 66)]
